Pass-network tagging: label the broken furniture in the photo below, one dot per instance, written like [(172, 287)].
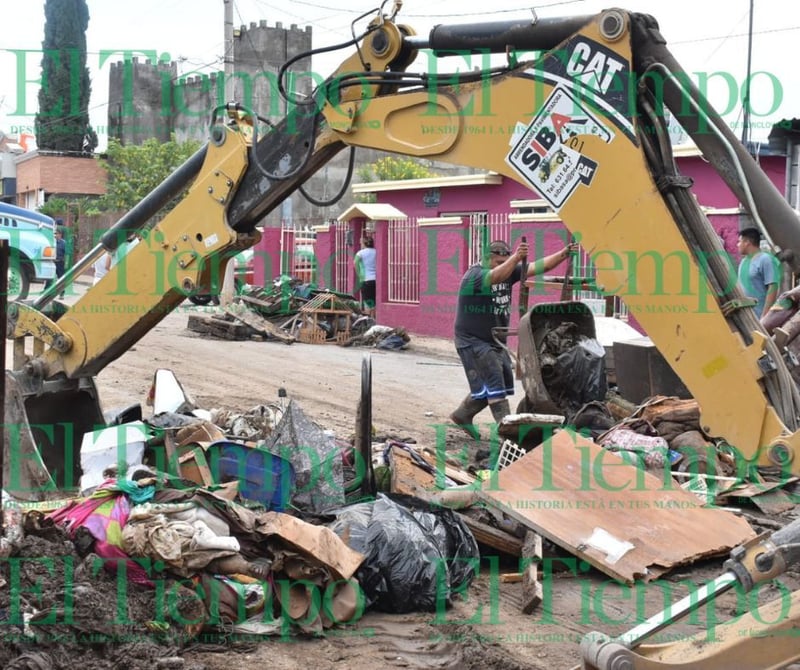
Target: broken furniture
[(324, 318)]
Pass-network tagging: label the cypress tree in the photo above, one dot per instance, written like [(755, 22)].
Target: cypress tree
[(62, 123)]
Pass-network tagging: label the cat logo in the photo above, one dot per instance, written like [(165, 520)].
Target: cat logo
[(594, 66)]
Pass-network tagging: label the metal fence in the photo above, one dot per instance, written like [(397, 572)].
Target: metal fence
[(343, 263), (582, 267), (403, 261), (298, 257)]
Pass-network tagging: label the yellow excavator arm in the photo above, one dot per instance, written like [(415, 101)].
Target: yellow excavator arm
[(582, 124)]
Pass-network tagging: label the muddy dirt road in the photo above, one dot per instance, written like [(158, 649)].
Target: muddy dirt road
[(412, 390)]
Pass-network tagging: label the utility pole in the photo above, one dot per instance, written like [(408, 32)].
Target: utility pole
[(228, 58), (228, 282), (746, 96)]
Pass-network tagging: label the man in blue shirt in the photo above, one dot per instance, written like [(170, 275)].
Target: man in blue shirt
[(759, 272)]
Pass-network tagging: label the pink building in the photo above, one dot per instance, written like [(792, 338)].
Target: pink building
[(428, 231)]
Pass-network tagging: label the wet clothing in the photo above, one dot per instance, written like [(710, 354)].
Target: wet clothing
[(368, 293), (481, 307), (488, 370)]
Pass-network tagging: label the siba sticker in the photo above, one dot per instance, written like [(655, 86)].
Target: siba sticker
[(548, 153)]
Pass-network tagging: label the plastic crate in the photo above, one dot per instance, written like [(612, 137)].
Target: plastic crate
[(263, 477), (509, 453)]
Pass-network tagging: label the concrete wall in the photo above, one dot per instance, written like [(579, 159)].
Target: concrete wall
[(140, 100), (147, 100)]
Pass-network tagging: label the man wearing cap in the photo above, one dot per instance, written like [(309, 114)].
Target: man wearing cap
[(759, 272), (484, 302)]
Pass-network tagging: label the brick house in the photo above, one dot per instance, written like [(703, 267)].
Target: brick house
[(43, 174)]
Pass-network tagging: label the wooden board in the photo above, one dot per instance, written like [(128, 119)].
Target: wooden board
[(766, 495), (226, 330), (259, 323), (573, 492), (409, 478), (318, 541), (493, 537)]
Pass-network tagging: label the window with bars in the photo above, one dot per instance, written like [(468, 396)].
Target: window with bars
[(584, 268), (403, 261), (484, 229), (344, 263)]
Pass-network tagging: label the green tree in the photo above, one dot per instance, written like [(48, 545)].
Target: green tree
[(135, 170), (62, 123), (55, 207), (390, 168)]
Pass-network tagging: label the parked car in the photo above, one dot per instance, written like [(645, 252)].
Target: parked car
[(32, 248), (243, 275)]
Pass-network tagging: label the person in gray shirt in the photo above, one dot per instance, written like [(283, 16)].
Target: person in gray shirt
[(484, 303)]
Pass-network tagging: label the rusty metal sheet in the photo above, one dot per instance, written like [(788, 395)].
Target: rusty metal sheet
[(624, 521)]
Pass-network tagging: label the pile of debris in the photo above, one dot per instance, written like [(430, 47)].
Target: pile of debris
[(290, 311), (629, 401), (217, 523), (263, 523)]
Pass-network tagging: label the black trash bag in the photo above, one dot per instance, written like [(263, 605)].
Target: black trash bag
[(416, 555), (577, 376)]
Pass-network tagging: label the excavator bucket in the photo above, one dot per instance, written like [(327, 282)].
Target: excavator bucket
[(44, 426), (533, 327)]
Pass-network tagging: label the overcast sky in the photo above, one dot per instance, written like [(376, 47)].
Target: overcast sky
[(705, 37)]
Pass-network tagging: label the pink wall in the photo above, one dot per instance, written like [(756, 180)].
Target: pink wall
[(489, 197), (712, 191), (266, 257), (443, 253), (443, 250)]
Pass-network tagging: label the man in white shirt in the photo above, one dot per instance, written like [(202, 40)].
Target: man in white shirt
[(365, 264), (101, 267)]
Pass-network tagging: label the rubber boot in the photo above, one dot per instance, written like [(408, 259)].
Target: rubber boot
[(466, 412), (499, 410)]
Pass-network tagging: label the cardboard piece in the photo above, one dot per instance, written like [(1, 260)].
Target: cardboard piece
[(318, 541)]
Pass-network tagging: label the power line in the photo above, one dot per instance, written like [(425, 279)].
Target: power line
[(432, 16), (527, 8), (724, 37)]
